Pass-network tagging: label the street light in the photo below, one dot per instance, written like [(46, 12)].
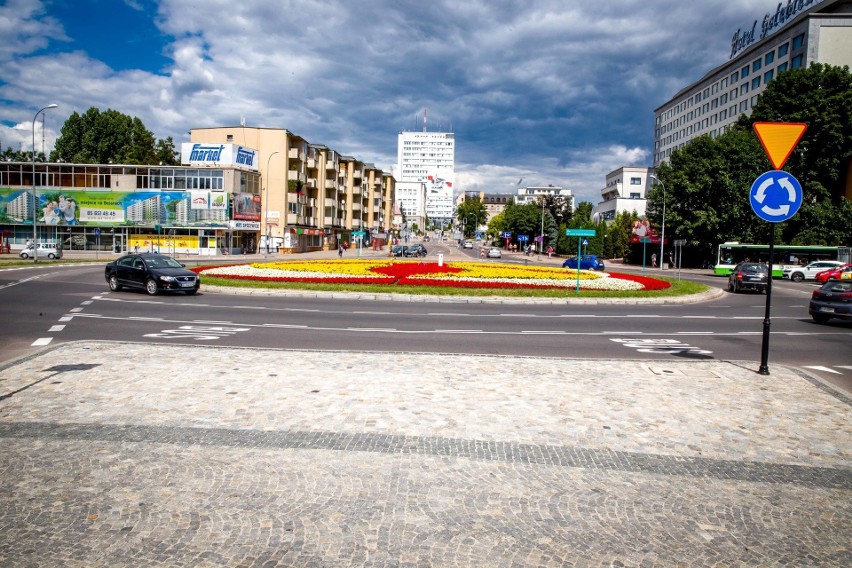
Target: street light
[(541, 243), (266, 204), (35, 197), (663, 231)]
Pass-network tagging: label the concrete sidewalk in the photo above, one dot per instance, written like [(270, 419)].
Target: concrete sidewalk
[(120, 454)]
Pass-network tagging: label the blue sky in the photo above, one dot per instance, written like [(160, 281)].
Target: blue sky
[(549, 91)]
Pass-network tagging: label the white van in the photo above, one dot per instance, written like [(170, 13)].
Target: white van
[(45, 250)]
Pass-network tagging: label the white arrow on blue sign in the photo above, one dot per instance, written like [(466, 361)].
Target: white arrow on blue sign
[(775, 196)]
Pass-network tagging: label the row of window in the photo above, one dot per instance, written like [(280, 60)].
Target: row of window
[(737, 92)]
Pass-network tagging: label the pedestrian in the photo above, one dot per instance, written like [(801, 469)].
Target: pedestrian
[(671, 260), (549, 252), (654, 260), (340, 250)]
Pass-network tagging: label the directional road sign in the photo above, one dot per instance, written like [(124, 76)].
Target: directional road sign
[(579, 232), (775, 196)]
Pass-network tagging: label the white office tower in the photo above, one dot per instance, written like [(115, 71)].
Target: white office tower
[(426, 161)]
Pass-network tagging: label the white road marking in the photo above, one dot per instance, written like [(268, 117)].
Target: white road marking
[(75, 310), (41, 341), (66, 318), (56, 328), (823, 369)]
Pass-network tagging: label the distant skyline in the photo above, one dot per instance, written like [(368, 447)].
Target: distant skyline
[(547, 92)]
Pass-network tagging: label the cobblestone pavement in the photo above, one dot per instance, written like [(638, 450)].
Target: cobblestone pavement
[(118, 454)]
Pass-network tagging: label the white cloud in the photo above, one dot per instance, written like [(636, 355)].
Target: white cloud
[(555, 92)]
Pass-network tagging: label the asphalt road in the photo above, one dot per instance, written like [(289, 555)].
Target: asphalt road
[(52, 303)]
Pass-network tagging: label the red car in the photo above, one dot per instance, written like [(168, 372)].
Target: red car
[(831, 273)]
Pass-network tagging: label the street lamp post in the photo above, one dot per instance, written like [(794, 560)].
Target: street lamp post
[(35, 197), (266, 205), (541, 243), (663, 231)]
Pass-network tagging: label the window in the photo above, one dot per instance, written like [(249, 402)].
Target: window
[(743, 106), (769, 58), (768, 76), (735, 76), (796, 62), (723, 99), (783, 49), (782, 67), (755, 83), (798, 41), (744, 72), (634, 195), (723, 114), (635, 181), (755, 66), (743, 89)]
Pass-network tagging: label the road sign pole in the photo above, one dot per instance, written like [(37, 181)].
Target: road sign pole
[(579, 244), (764, 349)]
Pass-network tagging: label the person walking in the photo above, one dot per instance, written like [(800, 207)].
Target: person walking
[(654, 260), (340, 250)]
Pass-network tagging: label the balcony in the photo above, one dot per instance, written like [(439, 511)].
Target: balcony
[(311, 182), (329, 202), (312, 163), (330, 184), (294, 175), (295, 154), (293, 219)]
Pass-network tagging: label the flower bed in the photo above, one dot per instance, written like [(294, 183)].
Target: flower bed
[(415, 273)]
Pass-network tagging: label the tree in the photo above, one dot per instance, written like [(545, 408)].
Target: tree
[(471, 213), (708, 181), (110, 137)]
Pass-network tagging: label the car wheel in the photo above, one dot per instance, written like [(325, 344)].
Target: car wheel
[(25, 256), (730, 286), (797, 277), (151, 287), (113, 283), (819, 318), (191, 292)]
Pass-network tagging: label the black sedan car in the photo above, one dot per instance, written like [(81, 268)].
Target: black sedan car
[(151, 272), (832, 300), (749, 276), (415, 250)]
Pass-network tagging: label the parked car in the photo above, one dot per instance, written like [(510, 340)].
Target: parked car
[(468, 244), (748, 276), (398, 250), (587, 262), (809, 272), (832, 273), (151, 272), (415, 250), (44, 250), (495, 252), (832, 300)]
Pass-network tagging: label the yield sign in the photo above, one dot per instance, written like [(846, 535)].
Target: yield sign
[(779, 139)]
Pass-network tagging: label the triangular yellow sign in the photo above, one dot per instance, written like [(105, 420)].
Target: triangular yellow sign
[(779, 139)]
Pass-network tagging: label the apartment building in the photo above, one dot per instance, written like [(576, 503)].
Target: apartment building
[(313, 196), (796, 34), (425, 174), (624, 191)]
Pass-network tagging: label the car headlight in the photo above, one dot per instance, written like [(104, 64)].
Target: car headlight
[(167, 278)]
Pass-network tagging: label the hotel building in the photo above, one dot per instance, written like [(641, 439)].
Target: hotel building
[(796, 34)]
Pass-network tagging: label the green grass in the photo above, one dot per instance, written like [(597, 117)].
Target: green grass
[(678, 288)]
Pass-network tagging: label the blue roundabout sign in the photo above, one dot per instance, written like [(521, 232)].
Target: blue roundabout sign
[(775, 196)]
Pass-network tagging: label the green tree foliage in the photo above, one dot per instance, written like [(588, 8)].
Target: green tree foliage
[(707, 182), (97, 137), (471, 213)]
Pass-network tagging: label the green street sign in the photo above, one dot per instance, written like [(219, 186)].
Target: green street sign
[(579, 232)]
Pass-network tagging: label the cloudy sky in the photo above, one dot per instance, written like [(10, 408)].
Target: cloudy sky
[(546, 91)]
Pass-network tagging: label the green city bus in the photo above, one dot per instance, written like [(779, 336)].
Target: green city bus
[(731, 253)]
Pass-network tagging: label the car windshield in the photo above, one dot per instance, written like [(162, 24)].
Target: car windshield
[(162, 262), (838, 286), (754, 268)]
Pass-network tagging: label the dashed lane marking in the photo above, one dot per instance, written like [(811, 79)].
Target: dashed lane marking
[(41, 341)]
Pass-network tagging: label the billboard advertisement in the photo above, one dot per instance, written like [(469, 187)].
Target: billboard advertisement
[(193, 154), (112, 208)]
